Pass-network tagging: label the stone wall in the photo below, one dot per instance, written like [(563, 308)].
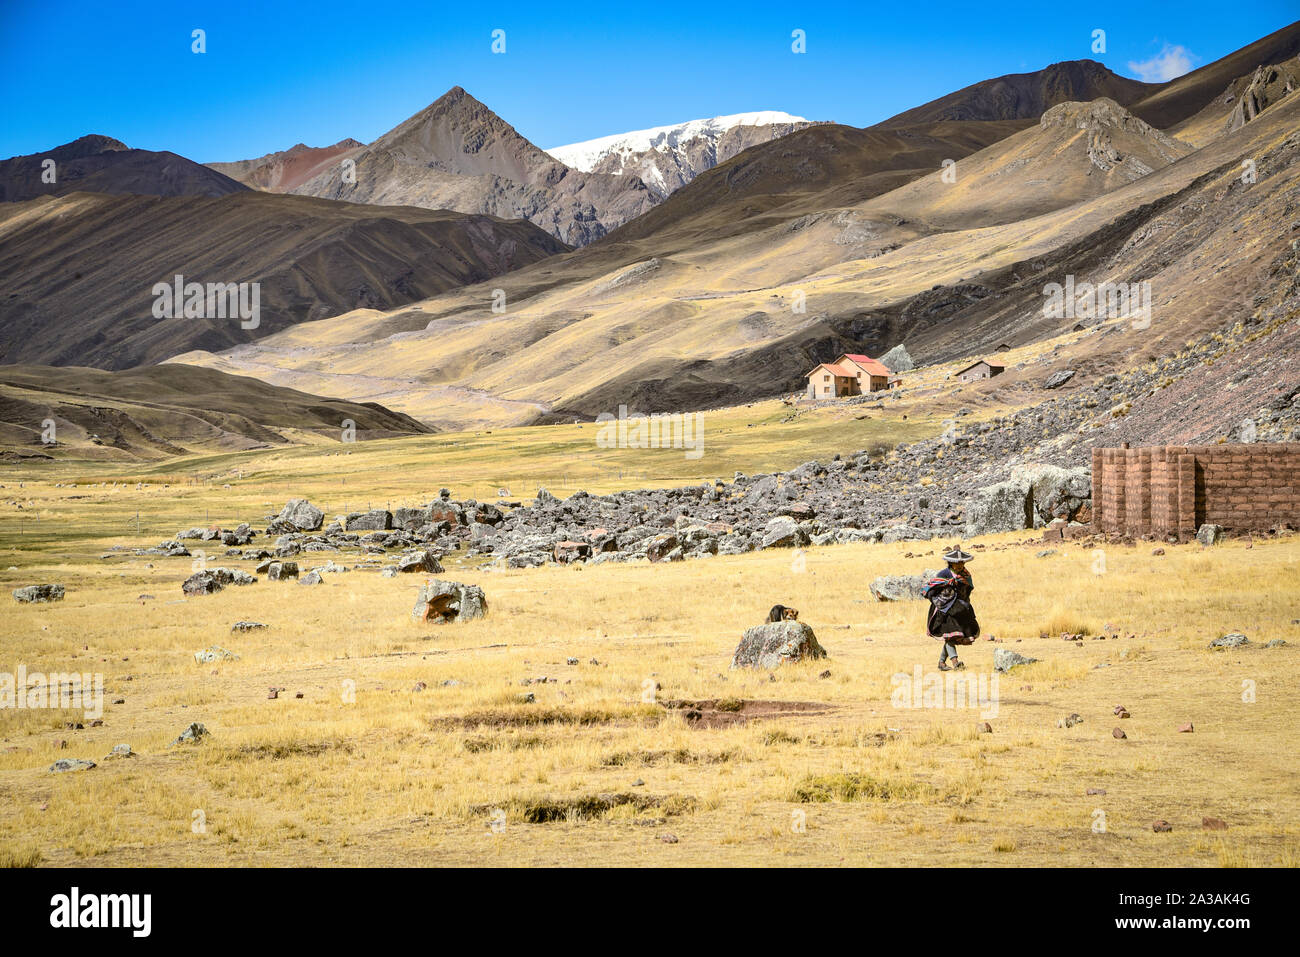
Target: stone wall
[(1174, 489)]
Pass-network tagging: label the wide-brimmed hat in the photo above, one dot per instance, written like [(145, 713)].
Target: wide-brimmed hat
[(955, 554)]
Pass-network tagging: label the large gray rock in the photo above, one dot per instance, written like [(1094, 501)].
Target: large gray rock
[(772, 644), (71, 764), (784, 532), (1232, 640), (301, 514), (897, 359), (1209, 534), (412, 519), (1056, 492), (447, 601), (421, 561), (1004, 659), (906, 533), (1004, 507), (660, 547), (1031, 497), (900, 587), (377, 520), (38, 593)]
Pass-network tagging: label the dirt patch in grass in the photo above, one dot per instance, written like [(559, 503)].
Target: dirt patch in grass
[(727, 712), (296, 749), (587, 807), (525, 717)]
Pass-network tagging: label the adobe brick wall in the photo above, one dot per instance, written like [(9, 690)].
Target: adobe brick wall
[(1174, 489)]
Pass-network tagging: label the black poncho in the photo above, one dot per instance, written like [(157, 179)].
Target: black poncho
[(950, 607)]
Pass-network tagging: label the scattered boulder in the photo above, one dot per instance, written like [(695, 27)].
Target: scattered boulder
[(567, 552), (281, 571), (211, 580), (247, 626), (660, 547), (1118, 734), (215, 653), (300, 515), (1209, 534), (194, 733), (311, 578), (446, 601), (71, 764), (1058, 379), (38, 593), (377, 520), (1004, 659), (119, 752), (769, 645), (899, 587), (421, 561), (1186, 728), (784, 532), (1162, 827), (1231, 640)]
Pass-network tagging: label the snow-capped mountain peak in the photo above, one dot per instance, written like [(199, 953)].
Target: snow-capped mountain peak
[(667, 157)]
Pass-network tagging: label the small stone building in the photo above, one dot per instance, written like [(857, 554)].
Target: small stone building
[(980, 370)]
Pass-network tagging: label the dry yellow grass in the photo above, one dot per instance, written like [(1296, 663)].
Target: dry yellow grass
[(365, 770)]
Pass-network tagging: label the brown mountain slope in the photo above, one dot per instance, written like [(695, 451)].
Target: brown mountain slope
[(104, 165), (1077, 151), (1187, 95), (806, 172), (81, 268), (1243, 100), (1026, 96), (286, 170), (157, 411), (458, 154)]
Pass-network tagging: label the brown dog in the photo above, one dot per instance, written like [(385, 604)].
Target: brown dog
[(782, 613)]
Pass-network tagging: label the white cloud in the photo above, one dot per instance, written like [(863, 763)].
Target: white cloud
[(1170, 62)]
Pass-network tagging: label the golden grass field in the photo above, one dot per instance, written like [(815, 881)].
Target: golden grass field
[(363, 769)]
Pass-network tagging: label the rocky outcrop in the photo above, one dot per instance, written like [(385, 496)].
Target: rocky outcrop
[(1031, 498), (1267, 85)]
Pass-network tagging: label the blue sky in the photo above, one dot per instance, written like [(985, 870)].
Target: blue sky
[(277, 73)]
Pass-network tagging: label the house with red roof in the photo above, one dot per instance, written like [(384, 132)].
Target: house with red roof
[(850, 374)]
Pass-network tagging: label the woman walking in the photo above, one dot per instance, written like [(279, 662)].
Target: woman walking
[(951, 618)]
